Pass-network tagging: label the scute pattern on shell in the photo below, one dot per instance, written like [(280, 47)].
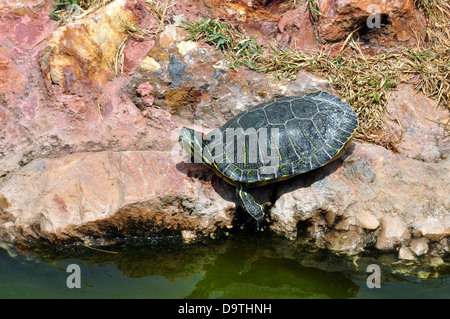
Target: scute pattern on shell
[(312, 130)]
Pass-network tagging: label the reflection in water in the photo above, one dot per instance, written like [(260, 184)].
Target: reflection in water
[(270, 278), (255, 269), (243, 266)]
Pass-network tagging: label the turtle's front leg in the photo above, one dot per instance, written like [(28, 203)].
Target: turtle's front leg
[(249, 204)]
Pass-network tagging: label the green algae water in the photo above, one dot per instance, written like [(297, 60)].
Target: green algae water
[(239, 266)]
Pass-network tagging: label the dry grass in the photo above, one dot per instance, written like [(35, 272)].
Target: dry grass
[(363, 82), (70, 10), (239, 49), (130, 31), (432, 62), (159, 9)]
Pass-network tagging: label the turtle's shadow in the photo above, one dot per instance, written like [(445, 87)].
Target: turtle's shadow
[(307, 179), (227, 191), (206, 175)]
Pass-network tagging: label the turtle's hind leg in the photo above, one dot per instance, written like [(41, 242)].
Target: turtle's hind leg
[(249, 204)]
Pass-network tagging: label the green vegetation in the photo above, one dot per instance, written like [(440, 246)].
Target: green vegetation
[(313, 7), (239, 49), (75, 9), (160, 11), (74, 5), (427, 5)]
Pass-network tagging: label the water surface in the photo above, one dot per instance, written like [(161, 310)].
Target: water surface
[(238, 266)]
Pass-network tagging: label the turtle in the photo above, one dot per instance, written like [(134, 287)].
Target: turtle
[(301, 133)]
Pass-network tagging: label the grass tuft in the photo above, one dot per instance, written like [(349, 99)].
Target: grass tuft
[(239, 49), (159, 9), (70, 10)]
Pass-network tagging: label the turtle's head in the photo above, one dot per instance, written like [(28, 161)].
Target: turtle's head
[(194, 143)]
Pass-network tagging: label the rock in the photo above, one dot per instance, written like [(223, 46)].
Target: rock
[(419, 246), (362, 170), (170, 35), (433, 228), (368, 186), (399, 20), (330, 218), (76, 106), (296, 30), (99, 196), (405, 253), (185, 46), (188, 236), (344, 224), (417, 125), (393, 232), (436, 261), (348, 241), (367, 220), (145, 91), (150, 64), (25, 24), (80, 56), (80, 105)]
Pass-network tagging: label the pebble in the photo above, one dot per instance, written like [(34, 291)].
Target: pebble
[(188, 236), (367, 220), (405, 253), (419, 246)]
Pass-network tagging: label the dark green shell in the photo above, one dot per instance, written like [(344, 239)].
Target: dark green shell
[(312, 131)]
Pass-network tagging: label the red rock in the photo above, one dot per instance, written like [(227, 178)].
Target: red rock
[(135, 52), (296, 29), (393, 232), (43, 121), (419, 246), (417, 125), (340, 17), (98, 196), (144, 89), (79, 61), (12, 79), (25, 23)]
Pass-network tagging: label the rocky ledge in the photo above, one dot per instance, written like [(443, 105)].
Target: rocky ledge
[(89, 154)]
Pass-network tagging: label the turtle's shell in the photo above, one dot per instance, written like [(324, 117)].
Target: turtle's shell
[(311, 131)]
